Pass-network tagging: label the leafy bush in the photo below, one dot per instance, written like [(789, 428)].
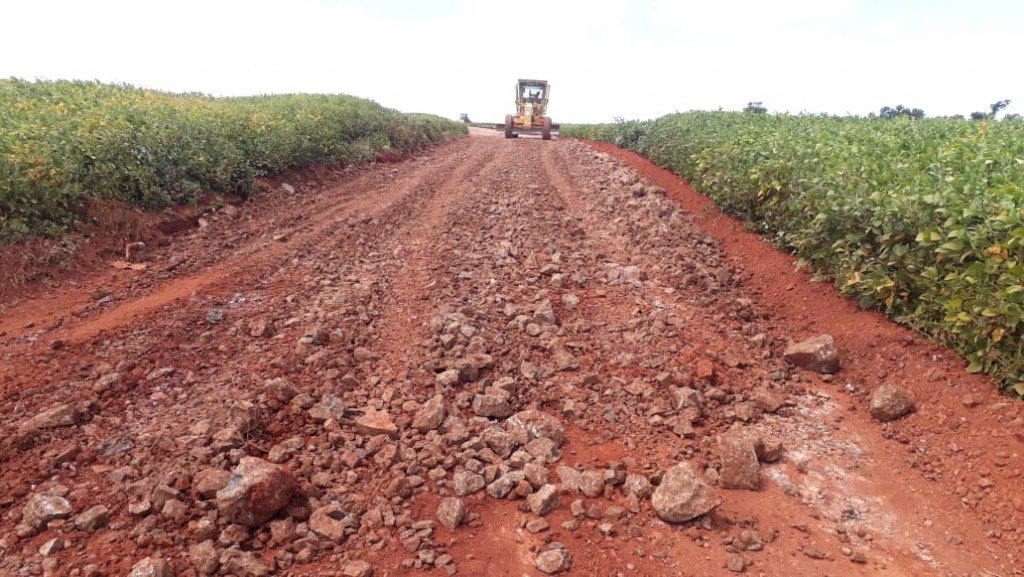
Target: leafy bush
[(923, 219), (63, 141)]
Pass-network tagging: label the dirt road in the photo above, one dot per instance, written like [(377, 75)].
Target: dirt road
[(482, 361)]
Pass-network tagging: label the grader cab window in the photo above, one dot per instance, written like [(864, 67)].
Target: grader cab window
[(532, 93)]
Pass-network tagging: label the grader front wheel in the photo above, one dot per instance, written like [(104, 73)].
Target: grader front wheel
[(545, 129), (508, 126)]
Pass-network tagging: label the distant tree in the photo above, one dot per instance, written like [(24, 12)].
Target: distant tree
[(995, 107), (1013, 117), (756, 108), (979, 115), (888, 112)]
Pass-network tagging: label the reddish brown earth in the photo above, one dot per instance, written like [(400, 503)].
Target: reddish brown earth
[(502, 274)]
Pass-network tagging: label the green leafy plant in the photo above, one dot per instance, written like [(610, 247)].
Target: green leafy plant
[(63, 142), (922, 219)]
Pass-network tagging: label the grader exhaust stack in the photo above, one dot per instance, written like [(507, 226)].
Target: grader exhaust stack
[(531, 111)]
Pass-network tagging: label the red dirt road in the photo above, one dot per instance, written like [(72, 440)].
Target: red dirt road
[(312, 331)]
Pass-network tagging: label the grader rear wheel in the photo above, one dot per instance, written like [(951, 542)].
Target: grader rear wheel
[(508, 126), (545, 129)]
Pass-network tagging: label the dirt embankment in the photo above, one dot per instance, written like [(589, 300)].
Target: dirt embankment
[(485, 360)]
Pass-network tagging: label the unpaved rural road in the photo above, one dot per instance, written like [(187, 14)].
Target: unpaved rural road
[(524, 326)]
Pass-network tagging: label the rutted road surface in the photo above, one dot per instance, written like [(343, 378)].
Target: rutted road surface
[(502, 358)]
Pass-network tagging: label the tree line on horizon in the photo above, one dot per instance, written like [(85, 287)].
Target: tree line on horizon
[(889, 112)]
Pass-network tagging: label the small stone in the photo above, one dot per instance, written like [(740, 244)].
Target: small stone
[(42, 508), (890, 402), (256, 491), (537, 525), (204, 557), (331, 522), (736, 564), (554, 561), (52, 547), (531, 424), (207, 482), (740, 468), (329, 407), (375, 422), (544, 448), (152, 567), (499, 441), (769, 449), (591, 483), (261, 328), (816, 354), (638, 486), (544, 500), (92, 518), (431, 415), (63, 415), (243, 564), (451, 512), (448, 378), (496, 406), (357, 569), (682, 495), (467, 483)]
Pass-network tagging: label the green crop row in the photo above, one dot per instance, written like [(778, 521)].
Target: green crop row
[(62, 142), (923, 219)]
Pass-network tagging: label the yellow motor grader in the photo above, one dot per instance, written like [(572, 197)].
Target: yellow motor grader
[(531, 107)]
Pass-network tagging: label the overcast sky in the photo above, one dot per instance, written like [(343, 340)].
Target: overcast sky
[(604, 58)]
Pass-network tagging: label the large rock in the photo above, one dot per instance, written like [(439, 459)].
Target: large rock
[(816, 354), (207, 482), (256, 491), (42, 508), (545, 313), (554, 561), (62, 415), (496, 406), (92, 518), (331, 522), (591, 483), (890, 402), (375, 422), (451, 512), (152, 567), (243, 564), (637, 486), (357, 569), (329, 407), (531, 424), (204, 557), (682, 495), (544, 500), (740, 468), (431, 415), (467, 483)]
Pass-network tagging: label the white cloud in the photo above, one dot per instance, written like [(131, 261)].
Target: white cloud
[(605, 58)]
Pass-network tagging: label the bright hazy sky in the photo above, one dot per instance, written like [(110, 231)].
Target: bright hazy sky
[(604, 58)]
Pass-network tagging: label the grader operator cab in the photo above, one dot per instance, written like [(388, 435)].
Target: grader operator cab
[(531, 108)]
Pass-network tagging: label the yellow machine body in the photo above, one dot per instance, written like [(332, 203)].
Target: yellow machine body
[(531, 110)]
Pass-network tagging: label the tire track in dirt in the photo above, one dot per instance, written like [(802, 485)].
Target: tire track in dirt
[(415, 283), (832, 473), (519, 272), (253, 259)]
